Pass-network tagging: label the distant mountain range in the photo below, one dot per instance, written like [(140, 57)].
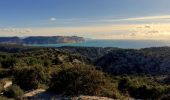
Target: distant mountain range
[(42, 39)]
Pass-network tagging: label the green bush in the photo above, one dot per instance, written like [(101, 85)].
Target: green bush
[(138, 90), (31, 77), (5, 73), (47, 63), (1, 87), (3, 98), (82, 80), (145, 92), (165, 97), (8, 63), (14, 92), (57, 61), (124, 85)]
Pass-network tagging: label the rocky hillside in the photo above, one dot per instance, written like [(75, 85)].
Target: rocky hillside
[(145, 61), (52, 40), (89, 73), (41, 40), (93, 53), (152, 61)]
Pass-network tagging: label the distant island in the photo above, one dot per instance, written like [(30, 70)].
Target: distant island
[(42, 39)]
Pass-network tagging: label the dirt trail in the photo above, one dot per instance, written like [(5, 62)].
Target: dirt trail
[(42, 94)]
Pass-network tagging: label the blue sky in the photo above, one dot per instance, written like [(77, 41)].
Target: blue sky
[(31, 15)]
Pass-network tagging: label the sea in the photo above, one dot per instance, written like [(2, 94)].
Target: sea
[(127, 44)]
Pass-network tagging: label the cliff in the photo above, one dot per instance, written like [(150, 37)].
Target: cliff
[(42, 40)]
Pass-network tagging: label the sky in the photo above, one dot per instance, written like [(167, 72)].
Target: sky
[(98, 19)]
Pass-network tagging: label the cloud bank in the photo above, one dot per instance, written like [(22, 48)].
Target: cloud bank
[(101, 28), (165, 17), (130, 31)]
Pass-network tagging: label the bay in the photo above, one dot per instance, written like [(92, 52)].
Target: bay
[(132, 44)]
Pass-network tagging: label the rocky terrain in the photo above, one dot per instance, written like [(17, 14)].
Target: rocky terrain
[(84, 73), (41, 39)]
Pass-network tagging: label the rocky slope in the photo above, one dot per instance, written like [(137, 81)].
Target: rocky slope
[(152, 61), (52, 40), (41, 40)]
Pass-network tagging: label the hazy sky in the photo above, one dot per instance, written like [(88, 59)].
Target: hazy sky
[(108, 19)]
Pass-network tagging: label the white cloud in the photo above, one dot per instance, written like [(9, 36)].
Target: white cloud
[(52, 19), (13, 30), (126, 31), (28, 30), (165, 17), (161, 18)]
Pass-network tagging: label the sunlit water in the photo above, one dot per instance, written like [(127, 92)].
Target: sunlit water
[(136, 44)]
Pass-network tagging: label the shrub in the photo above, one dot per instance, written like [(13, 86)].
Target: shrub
[(14, 92), (82, 80), (31, 77), (165, 97), (8, 63), (3, 98), (124, 85), (5, 73), (139, 91), (47, 63), (1, 87), (57, 61)]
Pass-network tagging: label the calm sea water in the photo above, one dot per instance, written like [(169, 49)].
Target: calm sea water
[(135, 44)]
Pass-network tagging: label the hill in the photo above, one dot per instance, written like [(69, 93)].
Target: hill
[(148, 61), (152, 61), (52, 40), (73, 71), (41, 40)]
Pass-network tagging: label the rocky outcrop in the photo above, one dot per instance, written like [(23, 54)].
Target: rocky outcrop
[(42, 94)]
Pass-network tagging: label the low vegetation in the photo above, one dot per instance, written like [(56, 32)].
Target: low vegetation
[(82, 80), (114, 73), (13, 92)]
